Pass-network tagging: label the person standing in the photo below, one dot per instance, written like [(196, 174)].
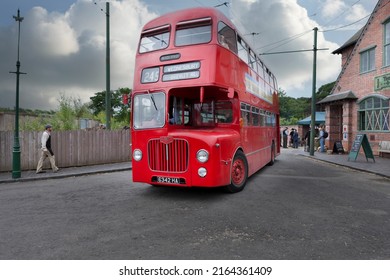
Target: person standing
[(295, 138), (46, 151), (322, 138), (307, 140), (285, 136), (292, 137)]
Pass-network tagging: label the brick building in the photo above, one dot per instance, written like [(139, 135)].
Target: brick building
[(359, 101)]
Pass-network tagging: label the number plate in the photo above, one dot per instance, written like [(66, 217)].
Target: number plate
[(168, 180)]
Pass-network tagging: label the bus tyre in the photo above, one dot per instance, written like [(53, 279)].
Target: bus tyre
[(239, 173), (272, 161)]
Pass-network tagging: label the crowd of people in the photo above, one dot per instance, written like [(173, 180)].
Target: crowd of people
[(291, 138)]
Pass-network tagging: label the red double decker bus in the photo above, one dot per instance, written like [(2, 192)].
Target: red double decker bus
[(205, 108)]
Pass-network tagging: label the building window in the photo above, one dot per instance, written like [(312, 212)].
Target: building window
[(386, 48), (374, 114), (367, 60)]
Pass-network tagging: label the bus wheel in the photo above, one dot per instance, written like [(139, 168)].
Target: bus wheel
[(239, 173), (272, 161)]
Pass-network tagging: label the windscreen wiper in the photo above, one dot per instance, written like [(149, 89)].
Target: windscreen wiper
[(152, 98)]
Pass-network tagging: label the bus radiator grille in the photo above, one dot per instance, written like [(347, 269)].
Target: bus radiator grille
[(168, 156)]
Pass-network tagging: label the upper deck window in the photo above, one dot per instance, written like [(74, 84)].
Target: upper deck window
[(154, 39), (242, 50), (227, 37), (193, 32)]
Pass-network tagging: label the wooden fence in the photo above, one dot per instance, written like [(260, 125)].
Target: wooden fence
[(71, 148)]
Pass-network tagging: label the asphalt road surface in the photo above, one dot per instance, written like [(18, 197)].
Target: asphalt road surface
[(297, 209)]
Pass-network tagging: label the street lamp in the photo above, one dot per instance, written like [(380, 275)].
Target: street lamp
[(108, 91), (16, 150)]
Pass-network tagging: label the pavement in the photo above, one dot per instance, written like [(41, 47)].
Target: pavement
[(30, 175), (381, 166)]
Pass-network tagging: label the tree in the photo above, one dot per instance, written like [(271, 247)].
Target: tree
[(119, 110), (324, 90), (98, 102), (293, 109), (70, 110)]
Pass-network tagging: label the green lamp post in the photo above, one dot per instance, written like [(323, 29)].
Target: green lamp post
[(16, 173)]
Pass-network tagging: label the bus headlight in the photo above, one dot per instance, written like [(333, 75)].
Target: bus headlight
[(202, 172), (202, 156), (137, 155)]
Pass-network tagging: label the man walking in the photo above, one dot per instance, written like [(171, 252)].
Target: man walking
[(46, 151)]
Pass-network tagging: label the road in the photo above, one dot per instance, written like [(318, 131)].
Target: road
[(299, 208)]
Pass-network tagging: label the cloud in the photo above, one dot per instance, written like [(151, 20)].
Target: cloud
[(286, 26), (49, 34), (332, 8), (66, 52), (338, 9), (357, 12)]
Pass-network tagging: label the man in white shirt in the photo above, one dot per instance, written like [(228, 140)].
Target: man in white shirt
[(46, 151)]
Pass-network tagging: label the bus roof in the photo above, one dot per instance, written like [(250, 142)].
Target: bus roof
[(188, 14)]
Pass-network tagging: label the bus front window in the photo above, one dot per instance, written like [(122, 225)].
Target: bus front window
[(157, 39), (193, 32), (149, 110)]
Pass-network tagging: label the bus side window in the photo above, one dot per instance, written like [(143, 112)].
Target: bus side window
[(255, 116), (252, 60), (245, 114), (242, 50), (227, 37), (224, 112)]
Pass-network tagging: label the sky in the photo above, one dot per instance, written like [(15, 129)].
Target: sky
[(63, 43)]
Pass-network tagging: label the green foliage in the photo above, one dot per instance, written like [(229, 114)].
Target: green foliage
[(36, 123), (70, 109), (294, 109), (324, 91), (120, 112), (98, 102), (115, 122)]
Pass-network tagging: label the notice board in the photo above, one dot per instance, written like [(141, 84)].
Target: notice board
[(338, 147), (361, 140)]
